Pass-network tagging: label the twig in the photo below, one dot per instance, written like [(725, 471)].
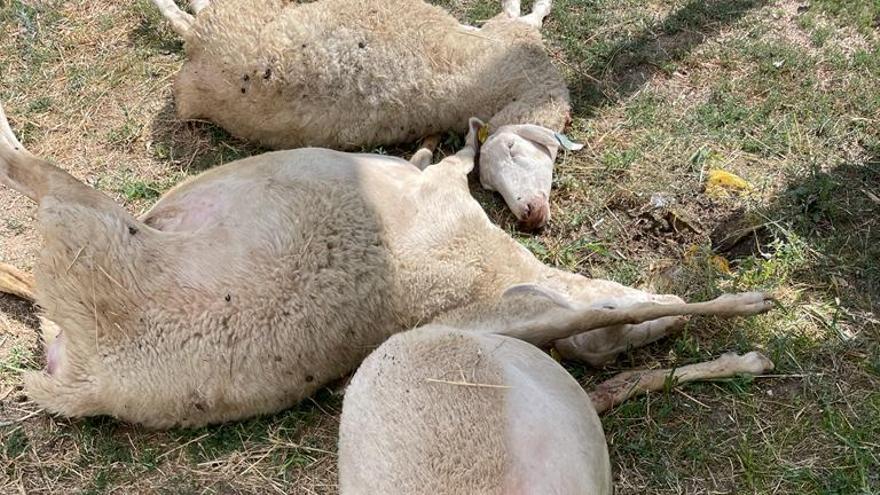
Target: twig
[(691, 398), (74, 259), (466, 384), (21, 419), (175, 449), (109, 277), (291, 445), (793, 375), (873, 197)]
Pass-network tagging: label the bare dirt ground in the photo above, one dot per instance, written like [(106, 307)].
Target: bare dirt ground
[(783, 94)]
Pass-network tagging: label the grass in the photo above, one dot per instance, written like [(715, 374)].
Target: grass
[(781, 93)]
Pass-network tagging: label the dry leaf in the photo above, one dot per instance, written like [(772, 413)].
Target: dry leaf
[(720, 263), (721, 183)]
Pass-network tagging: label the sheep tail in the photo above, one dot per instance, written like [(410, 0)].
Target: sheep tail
[(180, 21)]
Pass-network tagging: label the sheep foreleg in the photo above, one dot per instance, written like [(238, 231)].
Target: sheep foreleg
[(563, 322), (631, 383), (540, 10), (198, 5), (511, 8), (180, 21), (423, 157), (16, 282), (603, 345)]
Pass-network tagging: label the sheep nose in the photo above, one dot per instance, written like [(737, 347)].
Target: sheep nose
[(536, 214)]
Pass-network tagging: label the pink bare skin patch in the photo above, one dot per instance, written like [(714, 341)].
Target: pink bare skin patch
[(195, 212), (54, 353)]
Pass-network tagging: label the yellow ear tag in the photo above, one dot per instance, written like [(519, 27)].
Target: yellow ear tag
[(483, 133)]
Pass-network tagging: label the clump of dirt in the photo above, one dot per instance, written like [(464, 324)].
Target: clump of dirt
[(665, 225), (740, 236)]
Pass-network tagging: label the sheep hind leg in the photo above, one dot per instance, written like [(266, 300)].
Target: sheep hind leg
[(38, 179), (603, 345), (15, 282), (74, 214), (181, 22), (563, 322), (198, 5), (631, 383), (540, 10), (425, 154), (511, 8), (19, 169)]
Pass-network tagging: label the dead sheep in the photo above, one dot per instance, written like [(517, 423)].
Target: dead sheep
[(455, 411), (250, 286), (350, 74)]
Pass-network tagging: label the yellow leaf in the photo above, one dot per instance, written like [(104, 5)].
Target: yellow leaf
[(721, 264), (720, 183), (555, 354), (483, 133)]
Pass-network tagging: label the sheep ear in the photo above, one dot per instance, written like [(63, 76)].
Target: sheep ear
[(540, 135), (476, 128), (556, 297), (567, 144)]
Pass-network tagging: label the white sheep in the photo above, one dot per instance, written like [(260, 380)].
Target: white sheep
[(454, 411), (248, 287), (349, 74)]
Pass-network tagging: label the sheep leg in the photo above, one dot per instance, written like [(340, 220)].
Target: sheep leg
[(603, 345), (180, 21), (72, 214), (540, 10), (15, 160), (16, 282), (511, 8), (631, 383), (461, 163), (7, 137), (12, 152), (36, 178), (198, 5), (563, 322), (423, 156)]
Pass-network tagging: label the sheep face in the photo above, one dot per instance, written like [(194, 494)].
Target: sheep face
[(517, 161)]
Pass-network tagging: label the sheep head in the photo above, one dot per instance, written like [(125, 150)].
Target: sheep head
[(517, 161)]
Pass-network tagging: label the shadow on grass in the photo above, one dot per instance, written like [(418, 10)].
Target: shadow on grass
[(835, 216), (820, 237), (624, 67), (19, 310), (195, 145), (153, 32)]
